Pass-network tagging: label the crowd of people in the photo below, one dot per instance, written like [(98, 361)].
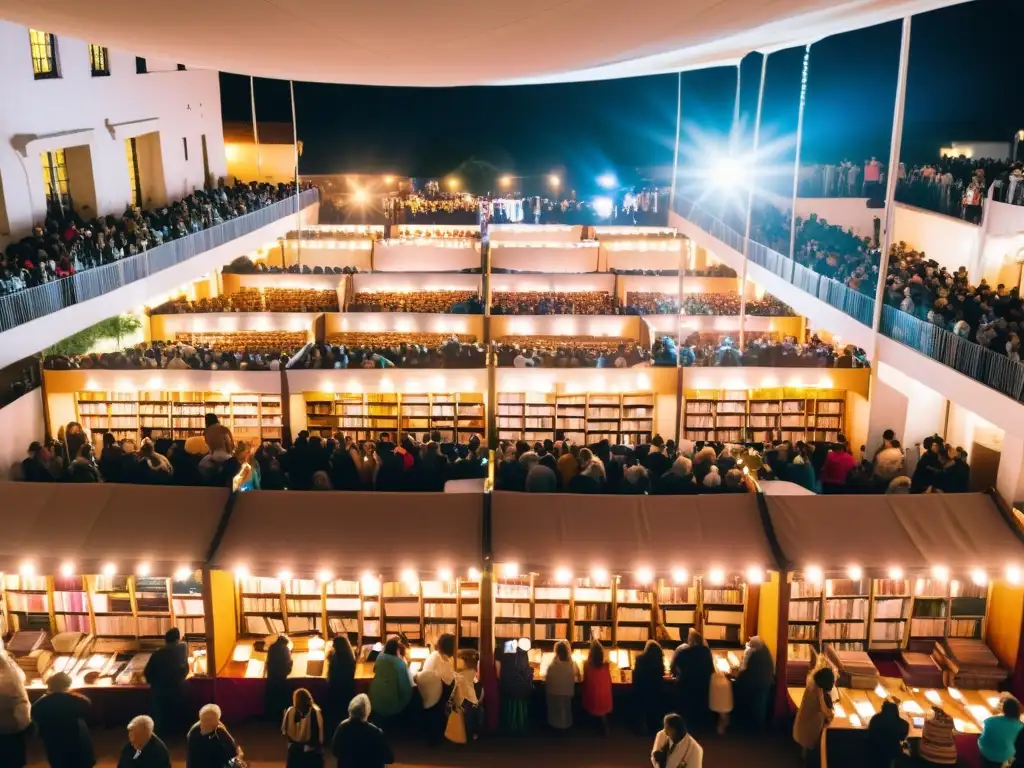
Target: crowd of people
[(246, 266), (65, 243), (569, 352), (404, 350), (260, 351), (657, 303), (442, 301), (255, 300), (554, 303), (761, 350)]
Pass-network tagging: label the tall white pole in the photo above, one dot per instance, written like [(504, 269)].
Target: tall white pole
[(675, 153), (255, 129), (799, 141), (892, 172), (295, 140), (734, 137), (752, 181)]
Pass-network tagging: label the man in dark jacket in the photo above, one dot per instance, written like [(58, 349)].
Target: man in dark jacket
[(60, 716), (359, 744), (754, 683), (165, 672), (144, 748), (928, 472), (279, 666), (692, 667)]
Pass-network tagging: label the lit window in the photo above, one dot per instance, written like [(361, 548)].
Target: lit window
[(44, 54), (99, 61), (133, 171), (55, 178)]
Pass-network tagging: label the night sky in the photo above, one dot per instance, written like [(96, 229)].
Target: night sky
[(966, 82)]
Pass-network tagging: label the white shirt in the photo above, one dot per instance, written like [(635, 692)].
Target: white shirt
[(465, 688), (687, 753), (519, 362), (437, 671)]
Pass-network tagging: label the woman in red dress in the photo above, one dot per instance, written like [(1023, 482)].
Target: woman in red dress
[(597, 686)]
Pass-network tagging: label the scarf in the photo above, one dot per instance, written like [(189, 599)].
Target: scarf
[(297, 728)]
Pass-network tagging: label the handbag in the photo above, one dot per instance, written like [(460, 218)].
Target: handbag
[(455, 727)]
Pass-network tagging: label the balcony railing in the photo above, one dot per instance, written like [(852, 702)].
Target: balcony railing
[(857, 305), (41, 300), (966, 356)]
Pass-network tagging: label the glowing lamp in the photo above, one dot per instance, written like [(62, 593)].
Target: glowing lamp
[(755, 575), (359, 195), (409, 578), (284, 575), (110, 569), (607, 181), (316, 643), (896, 572), (1013, 574), (510, 570), (814, 574), (184, 573), (67, 570), (979, 577), (241, 572), (563, 575), (473, 574), (599, 576), (716, 576), (680, 576), (855, 572), (27, 569), (644, 575), (444, 574), (324, 576), (554, 181), (940, 572), (505, 181), (142, 570)]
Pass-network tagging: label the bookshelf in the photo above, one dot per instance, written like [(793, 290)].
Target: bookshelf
[(593, 613), (178, 415), (514, 608), (440, 603), (749, 415), (890, 610), (723, 612), (27, 601), (468, 607), (942, 609), (261, 607), (677, 608), (365, 416), (571, 418), (590, 418), (846, 613), (526, 416), (402, 610)]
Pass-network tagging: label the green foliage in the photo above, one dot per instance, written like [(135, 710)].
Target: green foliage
[(80, 343)]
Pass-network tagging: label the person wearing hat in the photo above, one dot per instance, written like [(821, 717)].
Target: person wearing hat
[(61, 718)]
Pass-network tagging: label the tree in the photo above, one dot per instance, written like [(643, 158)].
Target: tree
[(81, 343)]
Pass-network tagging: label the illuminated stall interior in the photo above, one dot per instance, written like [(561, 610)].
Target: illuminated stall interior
[(604, 569), (269, 579), (81, 594), (920, 599), (456, 415)]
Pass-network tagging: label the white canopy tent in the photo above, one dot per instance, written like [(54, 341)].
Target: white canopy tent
[(455, 42)]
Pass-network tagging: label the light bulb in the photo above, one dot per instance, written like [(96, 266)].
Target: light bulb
[(599, 575), (896, 573), (444, 574), (183, 574), (755, 575), (563, 575), (474, 574), (644, 575), (409, 577), (680, 576), (324, 576), (979, 577), (940, 572), (814, 574), (716, 576), (510, 570), (284, 575), (110, 569), (241, 572), (142, 570), (855, 572), (370, 582), (67, 570), (27, 569), (1013, 574)]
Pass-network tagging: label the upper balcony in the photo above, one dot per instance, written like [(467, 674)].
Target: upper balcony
[(34, 318)]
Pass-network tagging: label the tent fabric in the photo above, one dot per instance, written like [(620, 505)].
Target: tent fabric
[(351, 533), (91, 524), (542, 532), (914, 532), (455, 42)]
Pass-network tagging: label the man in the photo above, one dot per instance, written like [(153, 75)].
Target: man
[(36, 468), (166, 672), (60, 716), (929, 467), (357, 742), (218, 437), (144, 748)]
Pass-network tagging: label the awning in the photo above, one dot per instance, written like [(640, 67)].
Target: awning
[(913, 532), (92, 524), (543, 532), (454, 42), (305, 532)]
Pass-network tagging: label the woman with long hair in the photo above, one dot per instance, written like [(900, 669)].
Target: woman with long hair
[(649, 687), (560, 687), (303, 726), (435, 682), (341, 674), (597, 685)]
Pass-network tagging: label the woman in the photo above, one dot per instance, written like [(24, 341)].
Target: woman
[(887, 732), (83, 469), (815, 712), (597, 685), (836, 468), (391, 687), (998, 740), (248, 477), (675, 748), (435, 683), (359, 744), (938, 745), (341, 674), (209, 745), (278, 667), (60, 718), (303, 726), (14, 713), (469, 692), (720, 699), (560, 687), (515, 681), (648, 686)]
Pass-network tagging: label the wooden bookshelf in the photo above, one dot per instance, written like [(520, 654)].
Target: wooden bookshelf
[(890, 611), (677, 608), (457, 416), (27, 603), (178, 415), (526, 416), (723, 612), (846, 614), (752, 415)]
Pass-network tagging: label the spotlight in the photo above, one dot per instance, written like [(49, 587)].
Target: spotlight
[(183, 574), (726, 172), (563, 575), (603, 207), (813, 574), (979, 577), (1013, 574), (142, 570), (896, 573), (324, 576), (680, 576), (474, 574), (716, 576), (644, 575), (284, 575), (453, 183), (505, 181), (755, 575), (855, 572), (607, 181), (444, 574), (510, 570), (360, 196), (109, 570), (67, 570), (241, 572), (599, 576), (554, 181), (940, 572)]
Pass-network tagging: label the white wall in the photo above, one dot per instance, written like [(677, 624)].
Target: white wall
[(100, 112), (951, 242), (21, 422), (847, 212)]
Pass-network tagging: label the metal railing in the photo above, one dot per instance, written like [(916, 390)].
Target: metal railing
[(42, 300), (968, 357), (857, 305)]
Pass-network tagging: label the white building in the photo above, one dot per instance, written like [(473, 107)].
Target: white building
[(99, 128)]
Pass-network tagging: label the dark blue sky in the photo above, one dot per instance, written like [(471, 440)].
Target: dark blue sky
[(965, 83)]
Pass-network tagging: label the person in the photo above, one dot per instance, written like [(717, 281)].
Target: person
[(692, 667), (436, 682), (720, 699), (938, 744), (837, 466), (674, 747), (887, 732), (997, 743), (303, 727), (15, 720), (515, 681), (754, 683), (209, 745), (357, 743), (60, 717), (278, 667), (341, 674), (928, 472), (648, 686), (815, 713), (391, 687), (165, 672), (597, 685), (218, 437), (560, 687), (144, 748)]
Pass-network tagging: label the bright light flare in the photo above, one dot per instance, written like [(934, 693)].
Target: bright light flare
[(755, 575), (554, 181), (603, 207), (644, 575), (563, 575), (599, 575), (814, 575), (607, 181)]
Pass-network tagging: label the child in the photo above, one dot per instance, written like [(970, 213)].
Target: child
[(469, 693)]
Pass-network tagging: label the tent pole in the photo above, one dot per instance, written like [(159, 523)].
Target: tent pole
[(799, 142), (750, 202)]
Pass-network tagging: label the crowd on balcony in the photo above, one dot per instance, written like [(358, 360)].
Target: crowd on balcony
[(265, 351), (255, 300), (405, 350), (713, 270), (442, 302), (65, 243), (654, 303), (705, 350), (569, 352), (554, 303), (243, 265)]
